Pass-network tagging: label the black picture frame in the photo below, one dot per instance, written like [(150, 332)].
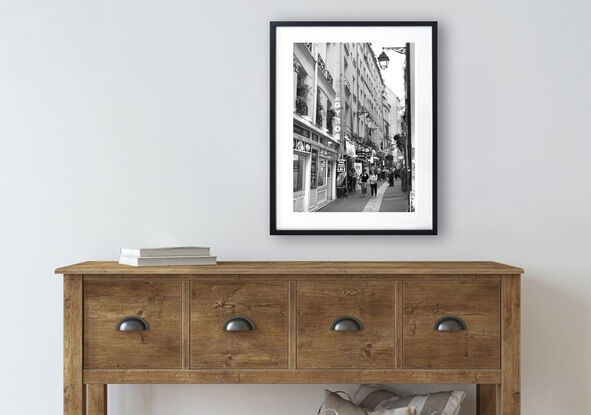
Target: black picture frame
[(274, 230)]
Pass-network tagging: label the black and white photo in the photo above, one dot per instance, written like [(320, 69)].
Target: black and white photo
[(353, 118)]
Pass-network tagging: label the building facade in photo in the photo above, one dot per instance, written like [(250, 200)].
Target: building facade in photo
[(393, 115), (316, 135), (362, 90)]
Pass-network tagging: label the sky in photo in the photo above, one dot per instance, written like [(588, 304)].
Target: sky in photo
[(394, 75)]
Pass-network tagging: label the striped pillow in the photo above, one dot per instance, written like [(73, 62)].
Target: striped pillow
[(369, 396), (397, 411), (334, 404), (440, 403)]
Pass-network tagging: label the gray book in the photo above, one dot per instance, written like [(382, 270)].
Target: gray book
[(166, 260), (166, 251)]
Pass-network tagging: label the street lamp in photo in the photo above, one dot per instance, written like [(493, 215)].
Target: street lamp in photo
[(384, 60)]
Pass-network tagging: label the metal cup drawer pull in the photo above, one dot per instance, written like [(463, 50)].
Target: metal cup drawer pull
[(239, 323), (450, 323), (132, 323), (346, 323)]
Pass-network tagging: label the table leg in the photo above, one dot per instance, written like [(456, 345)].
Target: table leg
[(486, 399), (73, 388), (96, 399), (510, 389)]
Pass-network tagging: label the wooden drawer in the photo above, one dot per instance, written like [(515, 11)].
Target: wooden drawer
[(320, 303), (214, 303), (476, 303), (107, 302)]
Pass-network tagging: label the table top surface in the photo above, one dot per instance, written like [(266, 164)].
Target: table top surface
[(301, 267)]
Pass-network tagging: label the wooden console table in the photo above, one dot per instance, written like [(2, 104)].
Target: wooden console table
[(292, 322)]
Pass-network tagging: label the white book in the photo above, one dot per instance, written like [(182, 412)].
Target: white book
[(167, 251), (167, 260)]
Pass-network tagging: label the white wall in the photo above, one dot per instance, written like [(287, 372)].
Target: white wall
[(128, 123)]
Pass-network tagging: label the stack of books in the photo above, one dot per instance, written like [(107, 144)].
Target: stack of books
[(152, 257)]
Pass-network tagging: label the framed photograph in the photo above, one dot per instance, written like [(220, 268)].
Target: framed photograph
[(354, 120)]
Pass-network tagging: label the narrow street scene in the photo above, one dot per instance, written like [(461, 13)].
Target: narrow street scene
[(352, 133)]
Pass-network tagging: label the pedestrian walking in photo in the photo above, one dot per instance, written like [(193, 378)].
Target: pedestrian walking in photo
[(391, 177), (352, 180), (373, 182), (364, 178)]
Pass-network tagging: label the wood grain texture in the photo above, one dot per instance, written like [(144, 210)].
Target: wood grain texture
[(476, 302), (318, 376), (186, 324), (292, 331), (302, 267), (106, 302), (398, 324), (321, 302), (290, 277), (511, 340), (96, 399), (486, 399), (73, 387), (265, 304)]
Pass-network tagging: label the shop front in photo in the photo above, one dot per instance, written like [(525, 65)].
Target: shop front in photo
[(314, 168)]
